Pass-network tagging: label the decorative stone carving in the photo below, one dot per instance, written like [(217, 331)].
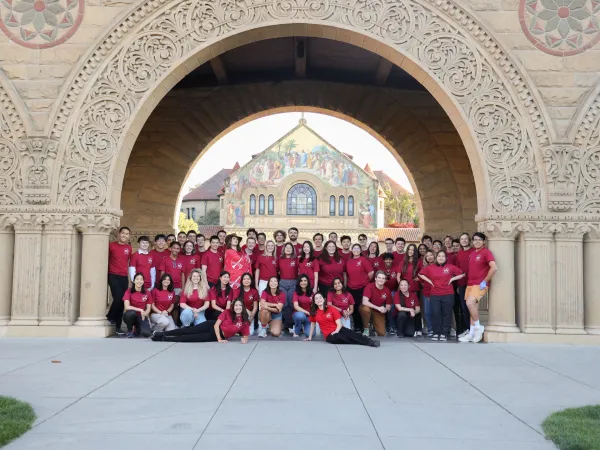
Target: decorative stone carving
[(434, 33), (9, 155), (37, 161), (562, 175)]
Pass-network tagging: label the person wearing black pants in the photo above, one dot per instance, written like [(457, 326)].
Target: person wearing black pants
[(119, 253), (329, 320), (118, 284), (203, 332), (406, 304), (357, 295), (441, 276)]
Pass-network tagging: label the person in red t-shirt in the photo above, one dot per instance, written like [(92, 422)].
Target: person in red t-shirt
[(318, 244), (222, 235), (407, 308), (271, 304), (249, 294), (376, 303), (220, 296), (141, 261), (293, 236), (251, 250), (400, 253), (261, 241), (359, 273), (331, 265), (410, 272), (448, 246), (163, 302), (229, 323), (302, 299), (364, 245), (200, 244), (119, 253), (441, 276), (390, 272), (482, 268), (422, 250), (237, 262), (309, 265), (174, 265), (288, 274), (428, 260), (212, 262), (373, 256), (279, 237), (462, 262), (194, 299), (161, 251), (137, 303), (170, 239), (266, 267), (181, 238), (191, 259), (330, 323), (341, 300), (345, 252)]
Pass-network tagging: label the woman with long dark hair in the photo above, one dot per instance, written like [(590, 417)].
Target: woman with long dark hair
[(288, 274), (329, 320), (428, 260), (441, 276), (407, 309), (302, 300), (359, 272), (343, 301), (191, 260), (410, 272), (237, 262), (228, 324), (271, 304), (137, 302), (309, 265), (373, 256), (250, 296), (220, 297), (163, 302), (331, 265)]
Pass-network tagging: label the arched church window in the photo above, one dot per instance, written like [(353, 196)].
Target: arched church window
[(302, 200), (350, 205), (342, 206), (332, 205), (252, 205), (271, 205), (261, 205)]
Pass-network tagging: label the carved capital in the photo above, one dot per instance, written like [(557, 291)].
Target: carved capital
[(97, 224), (38, 156), (505, 230), (60, 224), (562, 174), (26, 223)]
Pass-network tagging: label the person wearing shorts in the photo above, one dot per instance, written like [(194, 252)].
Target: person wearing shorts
[(271, 304), (482, 268)]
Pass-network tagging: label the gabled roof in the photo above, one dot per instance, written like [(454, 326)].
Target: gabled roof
[(385, 178), (210, 189)]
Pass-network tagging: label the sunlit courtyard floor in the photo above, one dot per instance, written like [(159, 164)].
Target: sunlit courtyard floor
[(281, 394)]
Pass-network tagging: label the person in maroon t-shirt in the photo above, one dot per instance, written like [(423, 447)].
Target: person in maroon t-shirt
[(141, 261), (137, 303), (174, 265), (212, 262), (309, 265), (161, 251), (345, 252), (448, 245), (422, 251), (462, 262), (163, 302), (181, 238), (390, 272), (261, 239), (119, 253), (302, 299), (333, 237), (200, 244), (399, 253), (441, 276), (266, 267), (170, 239), (330, 323), (407, 308), (222, 235), (194, 299), (317, 244), (251, 250), (389, 246), (482, 268), (191, 259), (293, 236), (376, 303), (229, 323), (428, 260), (220, 296), (331, 265), (279, 237), (410, 272), (364, 245), (249, 294), (271, 304), (359, 273), (437, 246), (341, 300), (373, 256), (288, 274)]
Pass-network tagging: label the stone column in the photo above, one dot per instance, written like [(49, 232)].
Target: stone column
[(591, 281), (7, 242), (536, 271), (502, 295), (94, 287), (26, 270), (57, 296), (569, 282)]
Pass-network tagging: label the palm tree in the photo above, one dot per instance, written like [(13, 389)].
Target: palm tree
[(290, 145)]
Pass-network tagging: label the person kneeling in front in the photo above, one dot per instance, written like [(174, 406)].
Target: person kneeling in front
[(376, 303), (407, 307), (230, 322), (138, 304), (329, 320)]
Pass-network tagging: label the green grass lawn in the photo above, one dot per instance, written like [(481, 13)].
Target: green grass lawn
[(15, 419), (574, 428)]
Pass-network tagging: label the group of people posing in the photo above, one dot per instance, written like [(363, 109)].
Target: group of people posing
[(181, 291)]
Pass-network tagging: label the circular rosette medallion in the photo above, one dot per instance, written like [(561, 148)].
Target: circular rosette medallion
[(561, 27), (40, 23)]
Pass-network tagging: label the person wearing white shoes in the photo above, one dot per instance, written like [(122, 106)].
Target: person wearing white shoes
[(482, 268)]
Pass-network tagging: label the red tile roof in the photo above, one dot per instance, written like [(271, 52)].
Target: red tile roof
[(385, 178), (210, 189)]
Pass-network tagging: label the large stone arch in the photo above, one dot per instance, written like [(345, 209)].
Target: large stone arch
[(439, 43)]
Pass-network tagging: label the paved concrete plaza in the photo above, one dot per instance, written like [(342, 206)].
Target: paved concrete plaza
[(273, 394)]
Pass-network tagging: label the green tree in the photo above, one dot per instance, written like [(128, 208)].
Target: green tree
[(399, 208), (186, 224), (290, 145), (212, 217)]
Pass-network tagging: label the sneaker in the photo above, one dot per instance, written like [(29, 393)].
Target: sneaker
[(418, 334), (158, 336), (399, 336), (424, 330), (119, 332), (463, 334), (466, 338), (130, 335), (366, 332), (262, 332), (443, 337), (375, 343), (430, 334), (478, 335), (452, 332), (435, 337)]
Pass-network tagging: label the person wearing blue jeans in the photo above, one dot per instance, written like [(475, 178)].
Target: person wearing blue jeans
[(426, 294), (194, 299), (288, 272)]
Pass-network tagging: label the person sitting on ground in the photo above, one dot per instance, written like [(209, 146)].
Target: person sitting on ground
[(163, 299), (301, 301), (194, 299), (271, 304), (220, 296), (376, 303), (137, 303), (249, 294), (341, 300), (229, 323), (329, 320), (407, 306)]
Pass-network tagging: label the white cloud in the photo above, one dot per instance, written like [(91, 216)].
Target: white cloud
[(254, 137)]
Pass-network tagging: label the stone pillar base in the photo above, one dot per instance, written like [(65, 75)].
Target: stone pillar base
[(24, 322), (564, 330), (102, 331), (592, 330), (541, 338), (502, 328), (61, 331)]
